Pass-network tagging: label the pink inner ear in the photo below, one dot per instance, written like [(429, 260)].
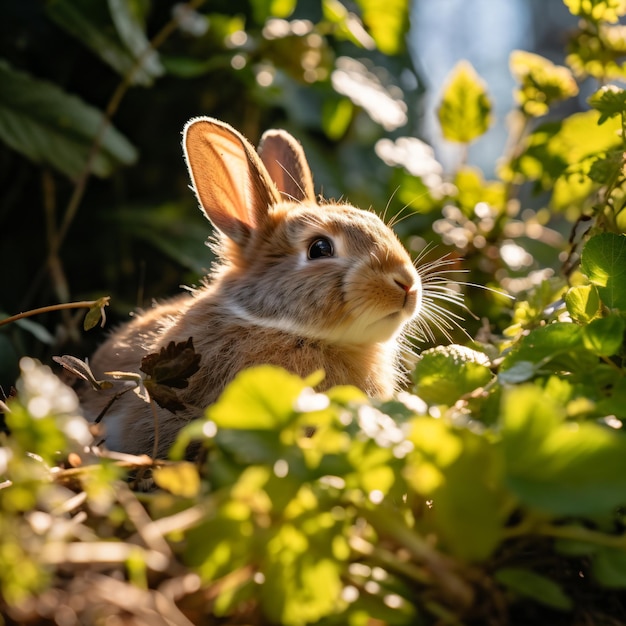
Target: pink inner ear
[(229, 179)]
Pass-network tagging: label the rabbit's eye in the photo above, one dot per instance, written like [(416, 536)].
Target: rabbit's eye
[(320, 247)]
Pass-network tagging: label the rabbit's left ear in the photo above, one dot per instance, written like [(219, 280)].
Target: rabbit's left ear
[(286, 164), (231, 182)]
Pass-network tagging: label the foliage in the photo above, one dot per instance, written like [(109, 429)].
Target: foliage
[(490, 492)]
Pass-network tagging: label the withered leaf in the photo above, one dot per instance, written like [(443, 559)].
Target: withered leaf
[(164, 396), (170, 368), (82, 370)]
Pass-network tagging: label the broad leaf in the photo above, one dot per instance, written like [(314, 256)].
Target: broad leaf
[(91, 23), (556, 466), (465, 109), (387, 22), (583, 303), (534, 586), (445, 373), (50, 126), (604, 262), (605, 336)]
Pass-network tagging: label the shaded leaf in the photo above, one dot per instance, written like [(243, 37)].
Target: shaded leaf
[(96, 313), (609, 568), (82, 370), (50, 126), (534, 586), (93, 26)]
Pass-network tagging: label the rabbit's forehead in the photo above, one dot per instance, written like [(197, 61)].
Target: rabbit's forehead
[(356, 227)]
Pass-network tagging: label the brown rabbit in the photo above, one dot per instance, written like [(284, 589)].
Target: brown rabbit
[(298, 284)]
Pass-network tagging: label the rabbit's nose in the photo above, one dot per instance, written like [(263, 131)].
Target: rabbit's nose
[(405, 280), (403, 285)]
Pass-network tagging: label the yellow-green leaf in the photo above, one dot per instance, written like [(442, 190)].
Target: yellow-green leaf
[(465, 109), (541, 82), (180, 479)]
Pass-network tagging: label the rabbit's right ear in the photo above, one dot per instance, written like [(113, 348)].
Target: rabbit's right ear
[(284, 159), (231, 182)]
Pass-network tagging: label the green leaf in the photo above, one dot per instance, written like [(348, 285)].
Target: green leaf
[(387, 21), (131, 30), (605, 336), (557, 347), (604, 262), (50, 126), (534, 586), (583, 303), (336, 117), (461, 472), (93, 26), (597, 10), (251, 401), (542, 83), (610, 101), (556, 466), (556, 149), (181, 479), (609, 568), (465, 109), (302, 584), (264, 9), (445, 373)]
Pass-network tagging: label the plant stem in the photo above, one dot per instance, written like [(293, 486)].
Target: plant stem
[(83, 304)]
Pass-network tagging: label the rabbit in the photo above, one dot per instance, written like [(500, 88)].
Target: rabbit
[(297, 283)]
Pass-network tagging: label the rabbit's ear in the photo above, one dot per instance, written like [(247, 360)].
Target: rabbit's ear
[(284, 159), (230, 180)]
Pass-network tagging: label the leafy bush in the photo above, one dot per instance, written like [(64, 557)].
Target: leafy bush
[(493, 493)]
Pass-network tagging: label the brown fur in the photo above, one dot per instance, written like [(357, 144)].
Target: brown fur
[(266, 301)]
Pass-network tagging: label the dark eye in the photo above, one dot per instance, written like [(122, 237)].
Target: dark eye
[(321, 247)]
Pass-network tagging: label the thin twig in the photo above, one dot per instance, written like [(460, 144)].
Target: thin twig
[(83, 304)]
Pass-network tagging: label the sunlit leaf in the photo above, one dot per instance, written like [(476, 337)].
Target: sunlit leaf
[(465, 109), (610, 101), (388, 22), (50, 126), (541, 82), (604, 262), (460, 472), (445, 373), (251, 401), (583, 303), (181, 479), (556, 466), (597, 10), (605, 336), (598, 51)]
